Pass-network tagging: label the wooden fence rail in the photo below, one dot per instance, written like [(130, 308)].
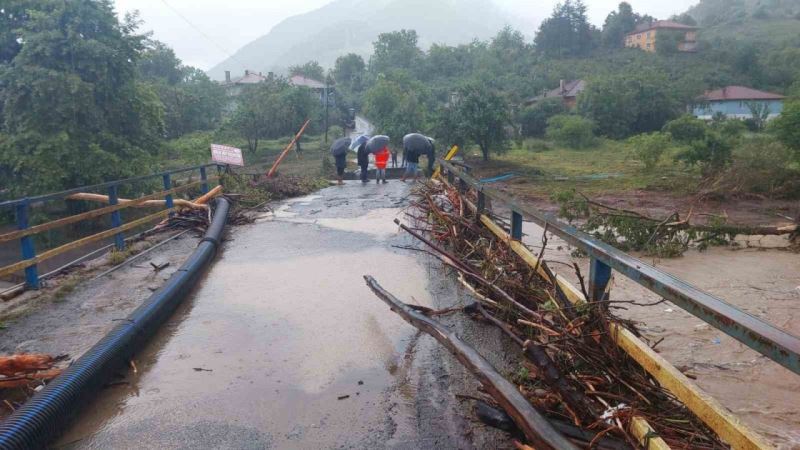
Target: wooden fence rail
[(25, 231)]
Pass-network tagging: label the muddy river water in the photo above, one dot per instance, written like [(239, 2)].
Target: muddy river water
[(283, 346)]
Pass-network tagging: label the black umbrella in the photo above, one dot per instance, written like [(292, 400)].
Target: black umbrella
[(416, 143), (377, 143), (340, 146)]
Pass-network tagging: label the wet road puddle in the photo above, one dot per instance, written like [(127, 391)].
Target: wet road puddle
[(282, 345)]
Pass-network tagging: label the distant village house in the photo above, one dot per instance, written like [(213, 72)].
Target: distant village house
[(567, 91), (234, 86), (645, 36), (737, 102)]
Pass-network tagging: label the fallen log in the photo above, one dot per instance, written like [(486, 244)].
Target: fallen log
[(22, 363), (536, 427), (204, 199), (150, 203)]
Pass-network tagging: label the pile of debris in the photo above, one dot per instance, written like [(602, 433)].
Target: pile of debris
[(574, 373), (26, 372)]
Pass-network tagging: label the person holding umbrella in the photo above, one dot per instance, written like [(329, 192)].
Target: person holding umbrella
[(339, 152), (360, 144), (414, 145), (379, 146)]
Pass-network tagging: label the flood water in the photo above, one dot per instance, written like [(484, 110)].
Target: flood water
[(762, 282), (282, 345)]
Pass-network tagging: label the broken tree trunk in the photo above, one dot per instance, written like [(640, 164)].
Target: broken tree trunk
[(104, 199), (536, 427)]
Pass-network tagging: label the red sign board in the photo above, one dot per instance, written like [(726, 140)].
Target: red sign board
[(227, 155)]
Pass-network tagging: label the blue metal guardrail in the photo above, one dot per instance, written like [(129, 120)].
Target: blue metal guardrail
[(22, 208), (761, 336)]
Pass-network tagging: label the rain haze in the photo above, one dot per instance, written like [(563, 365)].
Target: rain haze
[(204, 32)]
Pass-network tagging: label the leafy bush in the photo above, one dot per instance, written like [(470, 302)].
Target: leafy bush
[(571, 131), (686, 129), (712, 153), (761, 165), (787, 127), (536, 145), (533, 119), (731, 128), (648, 148)]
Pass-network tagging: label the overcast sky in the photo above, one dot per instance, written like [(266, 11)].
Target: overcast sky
[(218, 28)]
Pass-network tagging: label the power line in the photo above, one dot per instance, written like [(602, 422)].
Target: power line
[(202, 33)]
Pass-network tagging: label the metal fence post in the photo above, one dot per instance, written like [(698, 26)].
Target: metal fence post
[(204, 179), (168, 186), (450, 176), (116, 218), (516, 226), (481, 206), (26, 242), (599, 277)]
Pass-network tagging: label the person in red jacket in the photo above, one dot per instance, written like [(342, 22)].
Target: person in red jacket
[(381, 159)]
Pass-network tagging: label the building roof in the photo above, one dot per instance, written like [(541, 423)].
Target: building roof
[(739, 93), (249, 78), (571, 89), (661, 24), (299, 80)]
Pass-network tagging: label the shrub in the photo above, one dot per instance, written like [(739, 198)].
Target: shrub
[(533, 119), (787, 127), (761, 165), (732, 128), (712, 153), (686, 129), (536, 145), (648, 148), (571, 131)]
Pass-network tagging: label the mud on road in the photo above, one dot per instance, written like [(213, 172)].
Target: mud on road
[(283, 346)]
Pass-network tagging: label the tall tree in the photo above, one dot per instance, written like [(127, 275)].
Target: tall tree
[(482, 115), (395, 50), (619, 23), (72, 107), (349, 72), (395, 103), (311, 69), (567, 32)]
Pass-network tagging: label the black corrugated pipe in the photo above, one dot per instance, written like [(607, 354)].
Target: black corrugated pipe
[(48, 412)]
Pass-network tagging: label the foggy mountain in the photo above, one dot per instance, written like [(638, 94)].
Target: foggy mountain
[(344, 26)]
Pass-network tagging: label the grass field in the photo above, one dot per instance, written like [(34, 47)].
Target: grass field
[(607, 168)]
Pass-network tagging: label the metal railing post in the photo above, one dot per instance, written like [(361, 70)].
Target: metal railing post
[(168, 186), (204, 179), (516, 226), (481, 206), (116, 218), (26, 243), (599, 277), (450, 176)]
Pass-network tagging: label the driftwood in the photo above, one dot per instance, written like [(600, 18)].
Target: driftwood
[(536, 427), (150, 203), (26, 369), (205, 198)]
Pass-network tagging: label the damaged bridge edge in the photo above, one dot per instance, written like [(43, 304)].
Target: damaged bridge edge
[(729, 427)]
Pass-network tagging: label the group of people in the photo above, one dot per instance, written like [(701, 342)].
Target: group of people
[(414, 146)]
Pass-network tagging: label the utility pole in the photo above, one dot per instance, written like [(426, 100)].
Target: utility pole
[(326, 110)]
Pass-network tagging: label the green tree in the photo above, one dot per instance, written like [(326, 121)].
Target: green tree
[(629, 103), (395, 105), (73, 111), (482, 116), (571, 131), (533, 119), (349, 72), (648, 148), (311, 69), (396, 50), (159, 63), (567, 32), (618, 24)]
